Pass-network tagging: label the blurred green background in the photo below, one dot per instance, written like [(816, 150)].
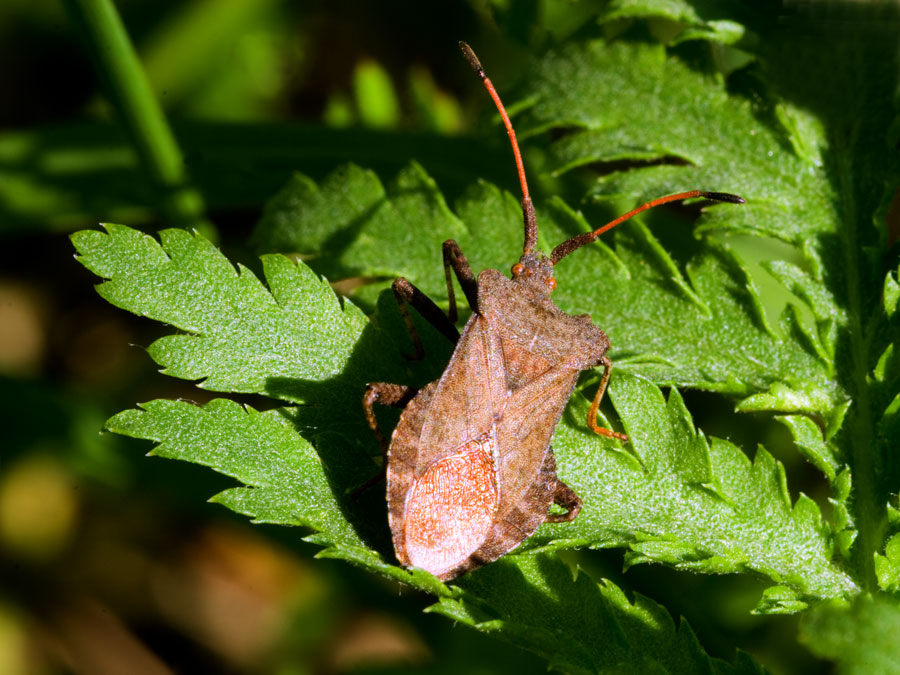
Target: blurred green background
[(111, 562)]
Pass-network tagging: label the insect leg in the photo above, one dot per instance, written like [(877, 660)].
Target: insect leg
[(595, 405), (456, 259), (383, 393), (407, 294), (565, 497)]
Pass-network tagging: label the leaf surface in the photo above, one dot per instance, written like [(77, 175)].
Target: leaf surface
[(237, 335), (676, 499), (578, 625), (817, 173)]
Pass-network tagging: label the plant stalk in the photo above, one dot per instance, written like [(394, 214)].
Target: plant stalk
[(130, 93)]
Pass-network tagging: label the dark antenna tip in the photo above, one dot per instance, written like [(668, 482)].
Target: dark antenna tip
[(472, 59), (723, 197)]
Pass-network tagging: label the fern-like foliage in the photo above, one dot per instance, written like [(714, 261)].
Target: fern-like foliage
[(817, 168)]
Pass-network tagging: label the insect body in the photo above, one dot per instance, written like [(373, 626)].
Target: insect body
[(470, 471)]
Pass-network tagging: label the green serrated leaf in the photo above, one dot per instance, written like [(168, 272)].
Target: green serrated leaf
[(893, 514), (573, 89), (722, 30), (811, 444), (793, 325), (578, 625), (356, 227), (691, 453), (672, 496), (888, 368), (716, 338), (845, 530), (891, 295), (289, 342), (693, 505), (814, 295), (287, 482), (887, 566), (780, 600), (818, 173), (785, 398)]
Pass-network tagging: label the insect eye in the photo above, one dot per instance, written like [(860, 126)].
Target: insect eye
[(517, 269), (551, 283)]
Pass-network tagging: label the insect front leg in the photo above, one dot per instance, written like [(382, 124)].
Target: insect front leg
[(565, 497), (456, 260), (407, 294), (595, 405), (383, 393)]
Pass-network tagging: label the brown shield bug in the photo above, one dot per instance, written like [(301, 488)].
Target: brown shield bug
[(470, 471)]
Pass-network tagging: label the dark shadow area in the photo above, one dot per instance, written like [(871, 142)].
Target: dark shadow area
[(718, 609), (88, 171), (601, 638)]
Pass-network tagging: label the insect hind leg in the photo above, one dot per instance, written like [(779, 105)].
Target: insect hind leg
[(595, 404), (565, 497), (382, 393)]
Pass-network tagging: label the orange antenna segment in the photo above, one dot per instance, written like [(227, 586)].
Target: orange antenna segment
[(477, 67), (530, 219), (580, 240), (643, 207)]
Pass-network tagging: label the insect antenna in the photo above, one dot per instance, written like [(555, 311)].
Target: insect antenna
[(580, 240), (527, 206)]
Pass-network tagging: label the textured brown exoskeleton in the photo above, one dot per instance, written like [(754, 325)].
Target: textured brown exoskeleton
[(470, 471)]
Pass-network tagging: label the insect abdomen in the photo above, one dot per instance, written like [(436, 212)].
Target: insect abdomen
[(451, 507)]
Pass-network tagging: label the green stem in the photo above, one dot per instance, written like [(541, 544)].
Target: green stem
[(131, 95), (868, 508)]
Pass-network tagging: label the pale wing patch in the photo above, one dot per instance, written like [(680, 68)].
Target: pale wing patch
[(450, 509)]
